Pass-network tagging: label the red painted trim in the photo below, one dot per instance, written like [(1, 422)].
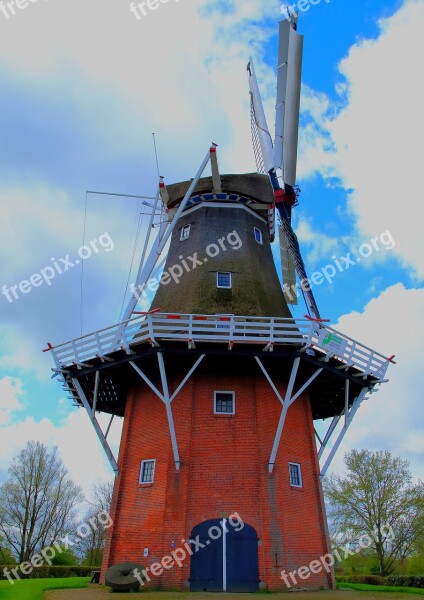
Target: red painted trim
[(316, 320)]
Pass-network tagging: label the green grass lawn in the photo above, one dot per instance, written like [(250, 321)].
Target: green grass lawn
[(32, 589), (364, 587)]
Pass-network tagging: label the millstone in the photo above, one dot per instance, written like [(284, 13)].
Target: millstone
[(121, 578)]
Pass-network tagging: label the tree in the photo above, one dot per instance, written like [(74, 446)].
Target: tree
[(90, 548), (6, 557), (37, 502), (376, 498)]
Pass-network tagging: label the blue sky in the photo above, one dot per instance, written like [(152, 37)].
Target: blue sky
[(84, 87)]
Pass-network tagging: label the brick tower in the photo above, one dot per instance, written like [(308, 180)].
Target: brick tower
[(218, 477)]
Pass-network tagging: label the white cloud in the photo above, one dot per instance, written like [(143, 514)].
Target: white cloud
[(320, 246), (76, 440), (393, 418), (11, 392), (376, 138)]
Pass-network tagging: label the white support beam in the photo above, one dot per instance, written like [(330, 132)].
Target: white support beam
[(216, 177), (271, 383), (357, 402), (187, 377), (317, 436), (96, 426), (329, 433), (346, 409), (109, 426), (288, 401), (96, 391), (169, 411), (286, 405), (166, 398), (162, 238), (147, 380)]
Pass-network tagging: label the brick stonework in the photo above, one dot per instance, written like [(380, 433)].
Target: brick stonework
[(224, 469)]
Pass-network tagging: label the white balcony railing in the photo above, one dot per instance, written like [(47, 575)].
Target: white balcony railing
[(231, 330)]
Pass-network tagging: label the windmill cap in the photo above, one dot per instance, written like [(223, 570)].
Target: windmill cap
[(252, 185)]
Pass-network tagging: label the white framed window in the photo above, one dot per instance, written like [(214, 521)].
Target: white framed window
[(295, 474), (223, 280), (147, 471), (258, 235), (185, 232), (224, 403)]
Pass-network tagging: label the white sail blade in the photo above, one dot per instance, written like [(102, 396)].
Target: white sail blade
[(260, 120), (289, 69), (288, 268)]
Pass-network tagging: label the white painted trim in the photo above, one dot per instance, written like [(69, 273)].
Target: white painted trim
[(224, 555), (143, 462), (214, 402), (300, 475), (208, 204), (184, 227), (260, 241)]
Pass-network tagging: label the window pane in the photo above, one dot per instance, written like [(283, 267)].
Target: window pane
[(224, 403), (294, 474), (224, 280), (147, 471)]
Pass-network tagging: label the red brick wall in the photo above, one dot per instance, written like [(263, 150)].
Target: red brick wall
[(224, 469)]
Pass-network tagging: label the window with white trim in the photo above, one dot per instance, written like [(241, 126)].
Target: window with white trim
[(147, 471), (295, 475), (223, 280), (224, 403), (185, 232), (258, 235)]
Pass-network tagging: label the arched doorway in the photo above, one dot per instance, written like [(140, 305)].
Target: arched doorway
[(225, 557)]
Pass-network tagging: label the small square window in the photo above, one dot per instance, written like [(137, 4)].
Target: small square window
[(295, 475), (147, 471), (224, 403), (185, 232), (223, 280), (258, 235)]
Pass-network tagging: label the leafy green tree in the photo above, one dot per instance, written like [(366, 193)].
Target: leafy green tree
[(6, 557), (377, 499), (65, 557)]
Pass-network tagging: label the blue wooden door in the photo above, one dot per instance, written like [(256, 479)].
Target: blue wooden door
[(223, 558)]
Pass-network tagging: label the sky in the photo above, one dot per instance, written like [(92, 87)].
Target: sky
[(84, 86)]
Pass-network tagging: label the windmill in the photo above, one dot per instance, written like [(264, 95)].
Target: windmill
[(218, 479)]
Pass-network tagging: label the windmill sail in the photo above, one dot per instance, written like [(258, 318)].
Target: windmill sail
[(290, 50), (262, 142), (281, 157), (288, 269)]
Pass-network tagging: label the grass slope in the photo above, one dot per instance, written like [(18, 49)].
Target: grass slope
[(32, 589), (364, 587)]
